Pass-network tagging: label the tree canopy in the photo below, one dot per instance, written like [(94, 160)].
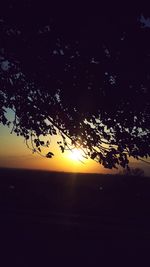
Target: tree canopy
[(84, 75)]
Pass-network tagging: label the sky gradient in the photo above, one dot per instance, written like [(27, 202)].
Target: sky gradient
[(15, 154)]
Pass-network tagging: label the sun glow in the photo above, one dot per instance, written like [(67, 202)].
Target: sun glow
[(76, 155)]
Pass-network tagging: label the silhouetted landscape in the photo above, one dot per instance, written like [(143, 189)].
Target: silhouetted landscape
[(40, 208), (77, 75)]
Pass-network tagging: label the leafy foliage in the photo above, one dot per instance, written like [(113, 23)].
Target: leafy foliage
[(133, 172), (84, 77)]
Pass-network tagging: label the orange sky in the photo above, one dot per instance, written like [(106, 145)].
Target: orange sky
[(14, 153)]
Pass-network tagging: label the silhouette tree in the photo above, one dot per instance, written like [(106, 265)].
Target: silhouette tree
[(85, 77), (133, 172)]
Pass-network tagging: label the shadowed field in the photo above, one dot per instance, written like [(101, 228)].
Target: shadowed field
[(42, 209)]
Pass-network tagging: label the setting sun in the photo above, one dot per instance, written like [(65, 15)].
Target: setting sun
[(76, 155)]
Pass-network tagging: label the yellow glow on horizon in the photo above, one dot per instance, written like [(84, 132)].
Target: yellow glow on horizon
[(15, 154)]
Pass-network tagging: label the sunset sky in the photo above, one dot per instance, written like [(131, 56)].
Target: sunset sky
[(15, 154)]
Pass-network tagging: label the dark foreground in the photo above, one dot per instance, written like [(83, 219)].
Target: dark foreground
[(48, 219)]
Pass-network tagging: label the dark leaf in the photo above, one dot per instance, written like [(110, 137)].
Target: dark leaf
[(93, 155), (62, 149), (49, 155)]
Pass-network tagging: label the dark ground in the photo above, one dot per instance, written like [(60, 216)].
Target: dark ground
[(48, 219)]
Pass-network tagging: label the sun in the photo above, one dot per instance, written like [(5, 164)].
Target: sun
[(76, 155)]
